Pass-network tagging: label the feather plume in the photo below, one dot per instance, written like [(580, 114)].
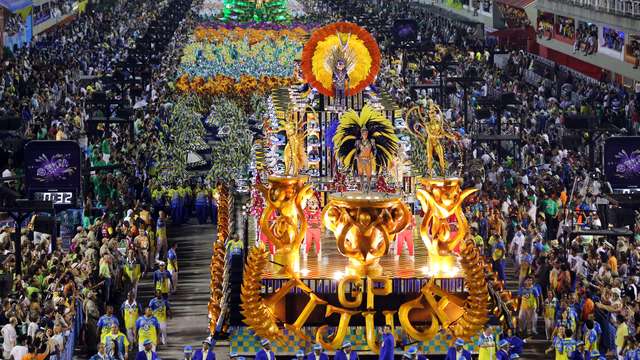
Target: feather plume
[(380, 130)]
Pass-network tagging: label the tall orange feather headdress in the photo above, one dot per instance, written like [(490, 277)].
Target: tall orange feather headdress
[(345, 42)]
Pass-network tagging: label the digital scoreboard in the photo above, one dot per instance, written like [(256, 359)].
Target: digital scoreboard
[(53, 172)]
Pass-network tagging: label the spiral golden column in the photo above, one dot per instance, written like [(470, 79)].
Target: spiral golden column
[(216, 268), (284, 197), (476, 313), (257, 314), (364, 226)]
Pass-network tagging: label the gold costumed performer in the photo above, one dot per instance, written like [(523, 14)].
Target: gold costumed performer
[(430, 130)]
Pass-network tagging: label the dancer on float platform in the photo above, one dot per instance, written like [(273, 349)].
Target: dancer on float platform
[(366, 153), (365, 143), (313, 236), (341, 61)]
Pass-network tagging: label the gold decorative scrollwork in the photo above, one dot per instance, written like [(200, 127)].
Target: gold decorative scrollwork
[(284, 197), (442, 198), (364, 226), (341, 331)]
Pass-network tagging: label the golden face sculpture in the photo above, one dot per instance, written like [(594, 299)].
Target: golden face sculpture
[(364, 226), (440, 199)]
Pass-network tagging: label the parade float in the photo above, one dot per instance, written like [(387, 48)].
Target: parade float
[(297, 290), (336, 195)]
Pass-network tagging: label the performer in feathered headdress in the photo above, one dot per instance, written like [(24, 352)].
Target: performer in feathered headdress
[(365, 143), (340, 60)]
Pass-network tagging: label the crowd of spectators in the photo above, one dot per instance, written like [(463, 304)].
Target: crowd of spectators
[(612, 39), (51, 10), (514, 17), (545, 26), (14, 24), (634, 51), (585, 36), (62, 293), (566, 27), (586, 39)]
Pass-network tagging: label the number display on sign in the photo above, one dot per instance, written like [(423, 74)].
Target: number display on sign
[(56, 197)]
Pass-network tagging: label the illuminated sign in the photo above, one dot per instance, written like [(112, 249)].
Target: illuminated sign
[(53, 171)]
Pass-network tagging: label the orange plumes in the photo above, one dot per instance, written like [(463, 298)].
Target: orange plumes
[(316, 42)]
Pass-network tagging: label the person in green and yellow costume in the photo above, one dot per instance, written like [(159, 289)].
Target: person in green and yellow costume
[(201, 205), (157, 196), (176, 203), (132, 272), (234, 246), (161, 229), (131, 311), (213, 198)]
